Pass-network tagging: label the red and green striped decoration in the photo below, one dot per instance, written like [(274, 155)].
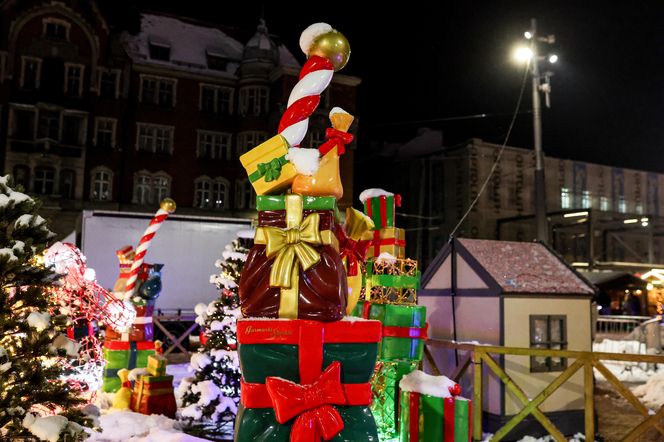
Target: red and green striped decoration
[(427, 418), (381, 210)]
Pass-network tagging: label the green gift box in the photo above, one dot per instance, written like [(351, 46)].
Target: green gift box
[(302, 352), (124, 354), (427, 418), (278, 202), (404, 329), (385, 389)]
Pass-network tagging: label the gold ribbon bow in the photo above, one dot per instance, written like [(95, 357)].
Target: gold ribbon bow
[(292, 245)]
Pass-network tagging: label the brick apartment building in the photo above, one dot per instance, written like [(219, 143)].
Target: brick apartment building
[(96, 117)]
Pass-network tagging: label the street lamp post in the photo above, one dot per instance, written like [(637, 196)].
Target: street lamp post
[(540, 84)]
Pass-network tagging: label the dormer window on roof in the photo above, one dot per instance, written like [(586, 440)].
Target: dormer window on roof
[(160, 49), (216, 60)]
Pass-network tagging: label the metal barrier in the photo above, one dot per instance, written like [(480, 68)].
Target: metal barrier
[(480, 357), (619, 325)]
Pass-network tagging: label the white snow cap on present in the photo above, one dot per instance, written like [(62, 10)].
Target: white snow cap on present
[(246, 234), (39, 320), (420, 382), (306, 161), (337, 110), (387, 258), (372, 193), (312, 33)]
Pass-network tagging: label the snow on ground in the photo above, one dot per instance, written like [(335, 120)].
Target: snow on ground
[(652, 392), (624, 370), (178, 371), (121, 426)]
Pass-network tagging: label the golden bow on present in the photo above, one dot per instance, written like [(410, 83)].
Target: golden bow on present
[(289, 246)]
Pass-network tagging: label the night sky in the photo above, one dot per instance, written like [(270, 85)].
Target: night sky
[(423, 62)]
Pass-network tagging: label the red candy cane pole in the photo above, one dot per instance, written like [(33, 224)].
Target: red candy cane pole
[(167, 207), (327, 51)]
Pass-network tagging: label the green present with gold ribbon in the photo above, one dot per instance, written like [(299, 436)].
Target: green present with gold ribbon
[(404, 329), (431, 409), (268, 169), (385, 392), (294, 270)]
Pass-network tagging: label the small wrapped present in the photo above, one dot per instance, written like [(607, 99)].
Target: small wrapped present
[(268, 169), (390, 240), (154, 395), (431, 409), (156, 365), (82, 328), (294, 269), (306, 378), (353, 252), (125, 354), (404, 329), (391, 281), (142, 329), (380, 205), (386, 395)]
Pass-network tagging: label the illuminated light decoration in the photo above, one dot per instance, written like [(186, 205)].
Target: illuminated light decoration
[(631, 221), (575, 214), (523, 54)]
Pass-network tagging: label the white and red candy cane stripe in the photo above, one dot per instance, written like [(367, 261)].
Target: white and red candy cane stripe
[(315, 76), (142, 249)]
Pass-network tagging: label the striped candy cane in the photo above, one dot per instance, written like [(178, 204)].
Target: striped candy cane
[(315, 76), (167, 207)]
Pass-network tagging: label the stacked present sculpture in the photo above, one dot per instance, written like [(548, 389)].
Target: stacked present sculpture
[(139, 284), (305, 369), (389, 294)]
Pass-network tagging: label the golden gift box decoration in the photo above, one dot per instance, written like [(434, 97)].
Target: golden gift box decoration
[(268, 169)]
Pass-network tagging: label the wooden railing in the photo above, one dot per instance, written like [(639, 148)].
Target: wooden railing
[(163, 317), (480, 357)]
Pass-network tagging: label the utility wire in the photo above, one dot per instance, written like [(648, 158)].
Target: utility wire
[(500, 153)]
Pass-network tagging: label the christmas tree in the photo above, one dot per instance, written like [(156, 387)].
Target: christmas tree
[(209, 398), (34, 401)]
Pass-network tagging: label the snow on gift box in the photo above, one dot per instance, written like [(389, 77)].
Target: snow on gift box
[(431, 409)]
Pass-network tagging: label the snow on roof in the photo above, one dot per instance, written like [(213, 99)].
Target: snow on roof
[(525, 267), (189, 44)]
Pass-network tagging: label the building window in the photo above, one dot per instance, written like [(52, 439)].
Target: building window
[(211, 194), (101, 184), (316, 138), (622, 204), (565, 198), (22, 123), (109, 83), (586, 200), (44, 180), (74, 79), (54, 28), (253, 100), (244, 195), (105, 132), (604, 204), (548, 332), (160, 51), (3, 65), (638, 208), (49, 124), (158, 91), (30, 72), (67, 183), (73, 129), (21, 175), (154, 138), (151, 188), (248, 140), (214, 145), (216, 61), (215, 99)]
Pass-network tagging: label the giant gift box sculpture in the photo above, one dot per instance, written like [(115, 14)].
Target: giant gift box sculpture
[(305, 369)]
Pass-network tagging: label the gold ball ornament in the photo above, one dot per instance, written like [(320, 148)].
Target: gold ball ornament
[(332, 45), (168, 205)]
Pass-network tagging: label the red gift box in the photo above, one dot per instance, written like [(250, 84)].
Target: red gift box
[(141, 330)]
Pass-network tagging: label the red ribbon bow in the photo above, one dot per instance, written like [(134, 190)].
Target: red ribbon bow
[(354, 251), (312, 404), (337, 138)]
